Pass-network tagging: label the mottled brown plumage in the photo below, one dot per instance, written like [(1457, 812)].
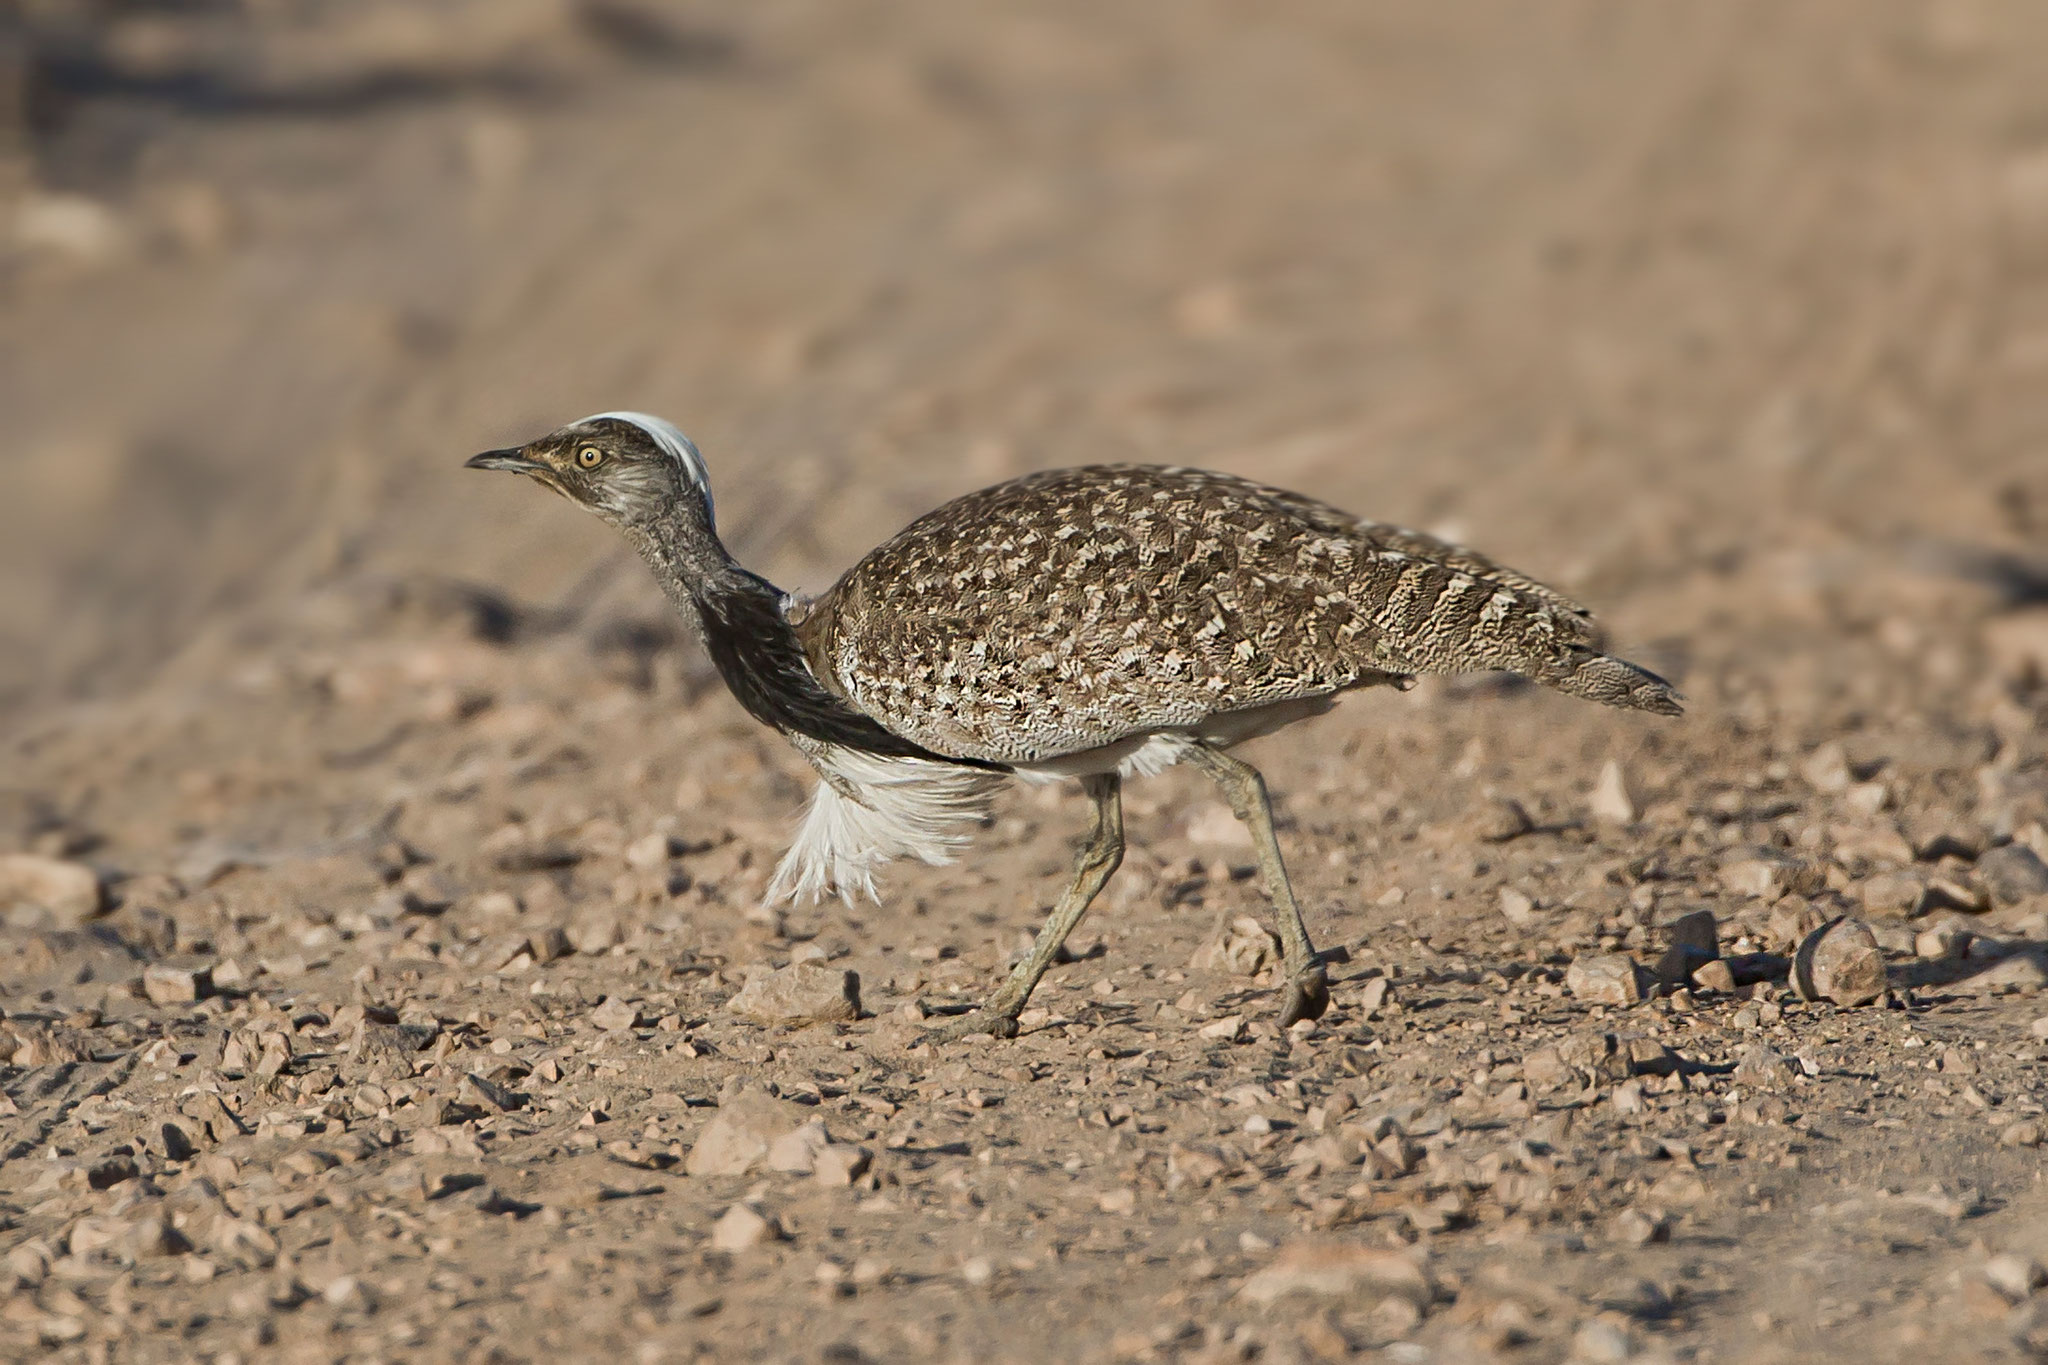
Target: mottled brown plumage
[(1086, 623), (1062, 611)]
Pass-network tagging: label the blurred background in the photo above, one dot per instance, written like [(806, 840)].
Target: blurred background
[(1702, 309)]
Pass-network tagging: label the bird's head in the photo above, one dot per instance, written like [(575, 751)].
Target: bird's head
[(627, 467)]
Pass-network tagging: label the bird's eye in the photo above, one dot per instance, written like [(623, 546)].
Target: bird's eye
[(590, 457)]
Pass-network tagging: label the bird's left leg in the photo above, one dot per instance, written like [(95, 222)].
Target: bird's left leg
[(1308, 991), (1098, 859)]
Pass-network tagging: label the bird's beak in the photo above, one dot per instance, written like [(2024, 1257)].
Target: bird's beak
[(511, 461)]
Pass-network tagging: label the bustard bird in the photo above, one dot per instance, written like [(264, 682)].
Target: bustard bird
[(1092, 623)]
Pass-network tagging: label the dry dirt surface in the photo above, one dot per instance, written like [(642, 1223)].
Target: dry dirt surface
[(379, 867)]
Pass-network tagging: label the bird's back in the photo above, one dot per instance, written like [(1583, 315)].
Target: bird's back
[(1069, 609)]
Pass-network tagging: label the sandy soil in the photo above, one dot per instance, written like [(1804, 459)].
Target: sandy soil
[(389, 1016)]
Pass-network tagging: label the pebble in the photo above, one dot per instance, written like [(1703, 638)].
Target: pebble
[(1611, 800), (1600, 1341), (2014, 1275), (801, 993), (593, 933), (1504, 818), (1243, 949), (1607, 979), (1841, 962), (1341, 1270), (1714, 976), (1766, 875), (740, 1134), (2025, 1133), (796, 1152), (68, 894), (649, 851), (614, 1015), (2013, 873), (1638, 1228), (165, 985), (1762, 1068), (1943, 942), (840, 1164), (1517, 907), (741, 1228), (1827, 769)]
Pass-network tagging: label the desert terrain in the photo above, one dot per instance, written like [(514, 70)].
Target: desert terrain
[(381, 864)]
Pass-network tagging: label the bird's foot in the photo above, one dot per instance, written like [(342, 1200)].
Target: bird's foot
[(967, 1025), (1308, 995)]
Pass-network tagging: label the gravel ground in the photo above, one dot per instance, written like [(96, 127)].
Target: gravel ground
[(380, 871)]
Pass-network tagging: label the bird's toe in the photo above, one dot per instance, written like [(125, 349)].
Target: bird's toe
[(1308, 996), (967, 1025)]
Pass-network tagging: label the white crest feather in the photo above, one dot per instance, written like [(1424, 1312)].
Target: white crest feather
[(670, 438), (871, 809)]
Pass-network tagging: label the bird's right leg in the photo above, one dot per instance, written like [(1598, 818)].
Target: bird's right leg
[(1308, 986), (1098, 859)]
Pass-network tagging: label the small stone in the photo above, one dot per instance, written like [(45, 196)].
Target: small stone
[(1714, 976), (1600, 1341), (648, 852), (1372, 996), (1944, 942), (1827, 768), (977, 1271), (1503, 818), (740, 1134), (1341, 1270), (1606, 979), (2025, 1133), (2014, 1275), (1611, 800), (165, 985), (1638, 1228), (1516, 906), (1761, 1068), (2038, 1030), (1768, 874), (613, 1015), (481, 1093), (1840, 962), (497, 951), (593, 933), (801, 993), (741, 1228), (796, 1152), (840, 1164), (2013, 873), (1243, 949), (1228, 1029), (1196, 1165), (550, 944), (66, 894)]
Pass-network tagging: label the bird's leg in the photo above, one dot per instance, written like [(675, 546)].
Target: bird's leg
[(1308, 992), (1098, 858)]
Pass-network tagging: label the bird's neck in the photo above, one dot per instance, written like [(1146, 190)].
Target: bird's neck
[(693, 566), (739, 617)]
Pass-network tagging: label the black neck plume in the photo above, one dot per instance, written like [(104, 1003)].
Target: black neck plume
[(739, 617)]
